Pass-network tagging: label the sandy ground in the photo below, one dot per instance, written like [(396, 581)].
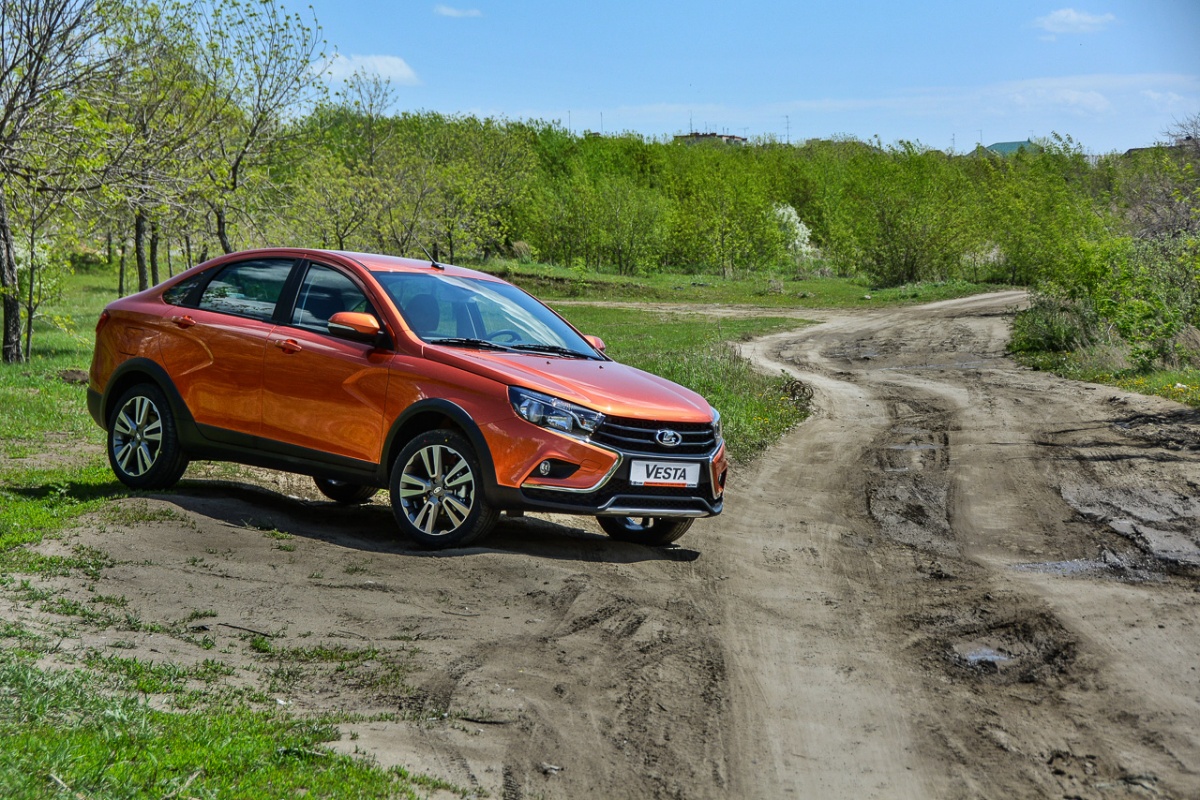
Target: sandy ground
[(959, 578)]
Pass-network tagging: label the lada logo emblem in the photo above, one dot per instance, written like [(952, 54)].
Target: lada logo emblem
[(668, 438)]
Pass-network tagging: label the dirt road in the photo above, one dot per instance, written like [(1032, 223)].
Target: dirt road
[(959, 578)]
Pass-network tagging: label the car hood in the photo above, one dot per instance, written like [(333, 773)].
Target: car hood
[(605, 386)]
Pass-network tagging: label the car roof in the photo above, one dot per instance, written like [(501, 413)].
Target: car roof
[(373, 262), (383, 263)]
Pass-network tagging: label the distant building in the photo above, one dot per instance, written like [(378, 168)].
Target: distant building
[(1186, 145), (1011, 148), (723, 138)]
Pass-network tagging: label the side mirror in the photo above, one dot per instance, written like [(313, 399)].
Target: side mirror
[(356, 326), (596, 342)]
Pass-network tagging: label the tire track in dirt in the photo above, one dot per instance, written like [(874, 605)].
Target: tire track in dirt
[(1001, 664)]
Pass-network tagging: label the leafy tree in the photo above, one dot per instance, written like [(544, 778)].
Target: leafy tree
[(49, 52), (1040, 213), (911, 203), (260, 61)]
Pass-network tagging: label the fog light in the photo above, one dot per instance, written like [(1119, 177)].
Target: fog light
[(544, 468)]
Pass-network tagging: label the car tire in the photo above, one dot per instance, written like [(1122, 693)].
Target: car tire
[(650, 531), (345, 492), (143, 440), (437, 491)]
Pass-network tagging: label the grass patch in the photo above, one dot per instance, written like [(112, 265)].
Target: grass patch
[(693, 350), (36, 399), (63, 736), (776, 291), (1182, 385), (36, 502)]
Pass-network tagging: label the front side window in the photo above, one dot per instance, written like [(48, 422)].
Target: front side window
[(247, 288), (323, 293)]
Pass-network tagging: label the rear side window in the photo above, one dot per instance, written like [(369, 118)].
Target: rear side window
[(323, 293), (247, 288), (178, 294)]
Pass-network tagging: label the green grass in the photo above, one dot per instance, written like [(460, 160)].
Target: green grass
[(34, 502), (775, 291), (37, 402), (693, 351), (1182, 386), (64, 738)]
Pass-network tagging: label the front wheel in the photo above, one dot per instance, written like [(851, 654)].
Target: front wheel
[(650, 531), (437, 491), (143, 441), (344, 492)]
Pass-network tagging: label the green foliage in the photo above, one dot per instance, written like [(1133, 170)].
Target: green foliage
[(913, 214), (1041, 215), (1054, 325), (63, 736), (1141, 294)]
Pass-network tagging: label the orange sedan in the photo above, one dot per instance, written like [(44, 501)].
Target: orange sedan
[(459, 392)]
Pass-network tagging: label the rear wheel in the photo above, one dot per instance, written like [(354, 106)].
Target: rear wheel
[(345, 492), (143, 441), (437, 491), (651, 531)]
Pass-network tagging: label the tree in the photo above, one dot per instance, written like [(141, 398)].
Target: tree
[(912, 203), (161, 108), (49, 50), (260, 61)]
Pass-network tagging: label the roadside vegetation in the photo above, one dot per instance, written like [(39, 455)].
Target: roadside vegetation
[(152, 134)]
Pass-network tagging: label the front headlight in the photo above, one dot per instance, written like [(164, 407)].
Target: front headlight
[(553, 412), (718, 431)]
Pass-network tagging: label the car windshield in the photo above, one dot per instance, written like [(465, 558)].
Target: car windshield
[(468, 312)]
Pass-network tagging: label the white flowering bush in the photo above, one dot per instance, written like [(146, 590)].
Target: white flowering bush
[(795, 233)]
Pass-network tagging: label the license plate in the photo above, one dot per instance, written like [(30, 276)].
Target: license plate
[(664, 473)]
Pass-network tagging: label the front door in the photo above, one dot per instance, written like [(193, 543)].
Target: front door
[(321, 392)]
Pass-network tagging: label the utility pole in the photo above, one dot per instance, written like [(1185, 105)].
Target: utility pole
[(788, 127)]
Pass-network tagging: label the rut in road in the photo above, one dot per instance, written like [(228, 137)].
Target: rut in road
[(970, 545)]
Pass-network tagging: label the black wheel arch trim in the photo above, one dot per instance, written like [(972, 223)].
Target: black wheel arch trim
[(402, 431), (143, 370)]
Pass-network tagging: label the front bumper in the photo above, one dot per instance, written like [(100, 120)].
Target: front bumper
[(616, 496)]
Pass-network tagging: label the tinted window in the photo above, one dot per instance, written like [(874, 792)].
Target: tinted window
[(324, 293), (177, 295), (247, 288), (436, 306)]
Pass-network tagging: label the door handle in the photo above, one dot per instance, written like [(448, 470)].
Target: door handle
[(288, 345), (184, 321)]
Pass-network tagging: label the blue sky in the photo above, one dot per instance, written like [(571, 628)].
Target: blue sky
[(1112, 75)]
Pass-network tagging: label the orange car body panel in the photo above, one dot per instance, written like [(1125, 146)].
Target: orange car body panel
[(335, 395)]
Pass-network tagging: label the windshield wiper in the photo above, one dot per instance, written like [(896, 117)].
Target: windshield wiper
[(463, 341), (551, 348)]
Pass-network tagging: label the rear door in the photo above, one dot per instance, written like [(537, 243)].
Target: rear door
[(215, 344), (320, 392)]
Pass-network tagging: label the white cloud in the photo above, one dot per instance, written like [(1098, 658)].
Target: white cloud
[(393, 68), (458, 13), (1068, 20)]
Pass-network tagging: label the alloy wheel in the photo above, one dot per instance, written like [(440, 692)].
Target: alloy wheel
[(137, 436), (437, 489)]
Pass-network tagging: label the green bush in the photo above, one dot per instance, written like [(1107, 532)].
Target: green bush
[(1054, 325)]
